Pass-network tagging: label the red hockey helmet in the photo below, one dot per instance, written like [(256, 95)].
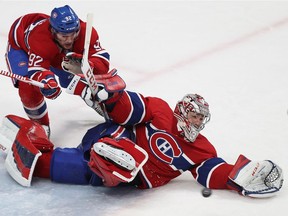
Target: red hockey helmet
[(191, 103)]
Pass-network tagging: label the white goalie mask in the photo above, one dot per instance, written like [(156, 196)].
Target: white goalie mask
[(191, 103)]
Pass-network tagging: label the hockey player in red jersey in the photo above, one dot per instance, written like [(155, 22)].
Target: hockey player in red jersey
[(143, 143), (42, 46)]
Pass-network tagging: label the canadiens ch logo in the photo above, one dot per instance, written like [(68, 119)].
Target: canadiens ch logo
[(22, 64), (164, 147)]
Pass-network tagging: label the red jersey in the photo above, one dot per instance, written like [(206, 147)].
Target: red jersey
[(32, 33), (156, 131)]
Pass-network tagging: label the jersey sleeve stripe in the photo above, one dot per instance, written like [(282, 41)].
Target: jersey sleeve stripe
[(138, 111)]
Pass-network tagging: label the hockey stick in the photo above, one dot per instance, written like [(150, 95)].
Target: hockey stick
[(85, 66), (23, 79), (111, 74)]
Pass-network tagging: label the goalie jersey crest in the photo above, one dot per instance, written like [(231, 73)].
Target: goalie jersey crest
[(166, 148)]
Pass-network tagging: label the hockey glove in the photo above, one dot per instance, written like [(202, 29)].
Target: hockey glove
[(47, 77), (255, 178), (72, 63), (78, 86)]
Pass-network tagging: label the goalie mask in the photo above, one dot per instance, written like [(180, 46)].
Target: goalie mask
[(192, 113)]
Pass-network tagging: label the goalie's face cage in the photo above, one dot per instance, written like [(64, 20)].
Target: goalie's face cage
[(192, 113)]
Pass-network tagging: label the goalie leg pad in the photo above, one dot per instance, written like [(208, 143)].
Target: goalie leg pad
[(27, 146), (69, 166), (36, 132), (255, 179), (117, 160), (8, 133), (21, 160)]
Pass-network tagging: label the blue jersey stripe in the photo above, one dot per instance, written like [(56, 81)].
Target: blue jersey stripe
[(204, 171), (138, 109)]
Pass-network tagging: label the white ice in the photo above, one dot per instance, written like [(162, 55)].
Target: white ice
[(235, 54)]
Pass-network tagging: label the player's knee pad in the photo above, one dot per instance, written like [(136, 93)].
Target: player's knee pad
[(116, 160), (69, 166), (255, 178)]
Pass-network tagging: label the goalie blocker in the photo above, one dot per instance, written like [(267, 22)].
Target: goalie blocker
[(109, 86)]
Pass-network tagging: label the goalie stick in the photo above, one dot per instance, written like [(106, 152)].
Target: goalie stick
[(85, 66), (23, 79)]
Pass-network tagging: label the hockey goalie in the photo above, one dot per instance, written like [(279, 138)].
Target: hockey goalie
[(143, 142)]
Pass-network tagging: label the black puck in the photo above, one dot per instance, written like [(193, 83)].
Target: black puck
[(206, 192)]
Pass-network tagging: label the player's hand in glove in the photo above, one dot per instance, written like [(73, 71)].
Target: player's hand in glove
[(74, 57), (47, 77), (72, 63)]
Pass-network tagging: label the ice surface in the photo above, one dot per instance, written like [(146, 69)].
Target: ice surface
[(235, 54)]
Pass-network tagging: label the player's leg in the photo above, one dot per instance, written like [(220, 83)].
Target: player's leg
[(34, 104), (69, 166), (33, 101)]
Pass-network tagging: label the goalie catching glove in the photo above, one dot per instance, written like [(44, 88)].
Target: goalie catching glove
[(255, 179)]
